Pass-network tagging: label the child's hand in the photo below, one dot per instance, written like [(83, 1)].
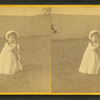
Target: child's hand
[(13, 46), (97, 46)]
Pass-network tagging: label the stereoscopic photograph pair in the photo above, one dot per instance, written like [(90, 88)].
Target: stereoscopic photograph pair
[(49, 49)]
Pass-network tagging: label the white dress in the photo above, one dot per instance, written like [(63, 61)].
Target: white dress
[(9, 64), (91, 60)]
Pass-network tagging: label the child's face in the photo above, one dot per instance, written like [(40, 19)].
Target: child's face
[(11, 39), (95, 39)]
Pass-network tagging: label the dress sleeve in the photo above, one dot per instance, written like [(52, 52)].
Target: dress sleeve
[(9, 48), (91, 47)]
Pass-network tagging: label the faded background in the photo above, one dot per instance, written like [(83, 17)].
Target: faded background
[(74, 26), (74, 22), (34, 30), (69, 42)]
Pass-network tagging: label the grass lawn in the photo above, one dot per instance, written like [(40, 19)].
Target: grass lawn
[(35, 77), (66, 59)]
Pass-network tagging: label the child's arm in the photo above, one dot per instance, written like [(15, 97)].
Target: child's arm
[(10, 48), (92, 47)]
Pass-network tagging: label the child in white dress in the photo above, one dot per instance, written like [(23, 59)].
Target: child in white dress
[(91, 59), (9, 58)]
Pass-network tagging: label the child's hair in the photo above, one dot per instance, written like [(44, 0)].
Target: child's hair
[(14, 34)]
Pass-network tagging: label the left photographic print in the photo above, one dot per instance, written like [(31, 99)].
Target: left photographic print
[(25, 49)]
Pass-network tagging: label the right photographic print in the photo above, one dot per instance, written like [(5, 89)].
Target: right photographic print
[(75, 50)]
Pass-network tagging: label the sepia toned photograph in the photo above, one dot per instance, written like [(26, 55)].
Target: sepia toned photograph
[(49, 49), (25, 49), (75, 50)]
